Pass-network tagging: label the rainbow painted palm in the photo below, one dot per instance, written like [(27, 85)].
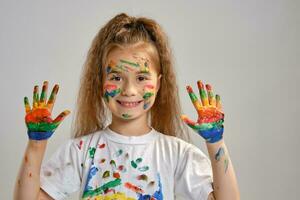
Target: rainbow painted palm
[(210, 116), (38, 120)]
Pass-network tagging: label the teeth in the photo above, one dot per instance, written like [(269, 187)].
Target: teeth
[(129, 104)]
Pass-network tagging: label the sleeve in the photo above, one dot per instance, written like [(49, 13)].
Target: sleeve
[(61, 174), (193, 177)]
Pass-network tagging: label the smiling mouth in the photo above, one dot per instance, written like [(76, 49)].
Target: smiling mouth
[(129, 104)]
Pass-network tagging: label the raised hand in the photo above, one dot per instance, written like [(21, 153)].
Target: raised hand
[(210, 116), (40, 125)]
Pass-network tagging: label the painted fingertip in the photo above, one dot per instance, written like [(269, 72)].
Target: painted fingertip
[(67, 112), (200, 84), (217, 97), (189, 89), (208, 86)]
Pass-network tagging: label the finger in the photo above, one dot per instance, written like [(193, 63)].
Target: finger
[(44, 93), (35, 97), (189, 122), (194, 98), (52, 98), (27, 106), (61, 116), (211, 97), (202, 92), (218, 102)]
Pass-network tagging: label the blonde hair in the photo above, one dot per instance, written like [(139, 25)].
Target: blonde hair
[(122, 30)]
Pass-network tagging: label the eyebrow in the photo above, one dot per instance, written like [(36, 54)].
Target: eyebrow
[(137, 72)]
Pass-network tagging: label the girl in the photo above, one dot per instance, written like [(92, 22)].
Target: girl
[(128, 72)]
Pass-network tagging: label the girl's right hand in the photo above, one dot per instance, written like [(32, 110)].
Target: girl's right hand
[(40, 125)]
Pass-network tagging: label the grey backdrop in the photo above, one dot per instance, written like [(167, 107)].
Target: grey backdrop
[(248, 50)]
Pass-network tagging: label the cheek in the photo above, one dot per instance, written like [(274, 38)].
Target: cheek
[(110, 91), (149, 90)]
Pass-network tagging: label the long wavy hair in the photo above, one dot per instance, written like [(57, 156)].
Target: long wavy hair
[(91, 112)]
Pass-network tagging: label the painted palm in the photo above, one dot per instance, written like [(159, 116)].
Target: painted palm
[(38, 119), (210, 116)]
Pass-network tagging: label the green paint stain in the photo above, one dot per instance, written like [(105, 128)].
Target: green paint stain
[(111, 94), (106, 174), (147, 95), (112, 163), (139, 160), (100, 190), (193, 97), (126, 116), (119, 152), (42, 126), (202, 93), (143, 169), (92, 151), (129, 63), (133, 164)]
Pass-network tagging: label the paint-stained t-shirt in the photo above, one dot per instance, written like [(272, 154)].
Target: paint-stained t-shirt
[(106, 165)]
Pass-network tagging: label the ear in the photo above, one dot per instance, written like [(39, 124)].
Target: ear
[(158, 82)]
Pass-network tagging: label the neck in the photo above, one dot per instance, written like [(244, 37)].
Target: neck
[(130, 127)]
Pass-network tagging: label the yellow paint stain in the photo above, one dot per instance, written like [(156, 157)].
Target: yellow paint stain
[(118, 195)]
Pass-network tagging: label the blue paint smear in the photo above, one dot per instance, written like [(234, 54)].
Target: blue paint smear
[(92, 172), (158, 195)]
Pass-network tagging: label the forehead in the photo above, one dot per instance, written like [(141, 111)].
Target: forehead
[(135, 57)]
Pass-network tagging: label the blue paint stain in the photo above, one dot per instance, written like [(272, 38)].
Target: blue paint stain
[(158, 195), (92, 172), (219, 154)]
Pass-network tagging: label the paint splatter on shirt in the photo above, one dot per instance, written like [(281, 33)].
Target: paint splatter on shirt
[(111, 166)]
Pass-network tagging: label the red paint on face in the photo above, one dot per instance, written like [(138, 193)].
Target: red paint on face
[(110, 87), (149, 86)]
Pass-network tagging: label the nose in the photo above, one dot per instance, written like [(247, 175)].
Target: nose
[(129, 89)]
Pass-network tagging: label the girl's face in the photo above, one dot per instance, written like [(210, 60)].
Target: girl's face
[(131, 82)]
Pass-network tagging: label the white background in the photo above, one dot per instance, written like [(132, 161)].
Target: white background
[(248, 50)]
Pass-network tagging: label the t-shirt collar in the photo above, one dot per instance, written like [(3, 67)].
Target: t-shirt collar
[(142, 139)]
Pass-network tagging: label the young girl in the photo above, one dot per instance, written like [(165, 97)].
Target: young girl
[(128, 72)]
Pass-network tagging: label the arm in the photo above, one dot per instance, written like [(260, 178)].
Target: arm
[(224, 179), (40, 128), (210, 126), (28, 180)]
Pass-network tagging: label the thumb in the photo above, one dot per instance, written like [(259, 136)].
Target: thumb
[(61, 116)]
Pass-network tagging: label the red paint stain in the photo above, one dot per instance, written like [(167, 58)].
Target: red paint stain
[(110, 87), (80, 145), (149, 86), (116, 175), (26, 159), (101, 146), (133, 188)]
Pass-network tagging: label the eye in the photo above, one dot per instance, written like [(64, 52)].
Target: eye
[(142, 78), (115, 78)]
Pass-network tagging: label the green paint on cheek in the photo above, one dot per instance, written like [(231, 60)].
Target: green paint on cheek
[(147, 95), (111, 94)]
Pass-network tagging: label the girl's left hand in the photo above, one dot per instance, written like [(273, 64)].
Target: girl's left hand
[(210, 116)]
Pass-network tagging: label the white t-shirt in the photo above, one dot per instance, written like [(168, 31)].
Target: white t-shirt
[(106, 166)]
